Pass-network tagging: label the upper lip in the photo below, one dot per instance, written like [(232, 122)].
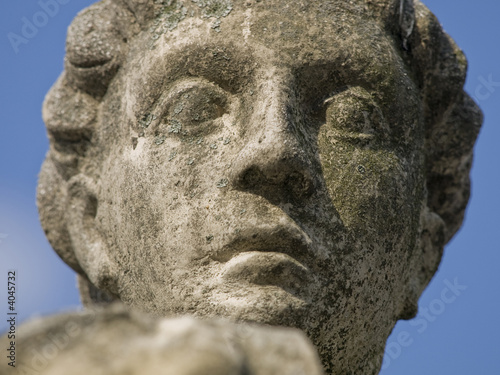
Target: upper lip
[(288, 239)]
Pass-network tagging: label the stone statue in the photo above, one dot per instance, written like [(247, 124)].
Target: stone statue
[(285, 163)]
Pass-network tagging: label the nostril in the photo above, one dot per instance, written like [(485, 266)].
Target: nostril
[(284, 187), (299, 185), (252, 177)]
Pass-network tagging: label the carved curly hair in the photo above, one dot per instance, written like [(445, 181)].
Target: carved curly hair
[(97, 46)]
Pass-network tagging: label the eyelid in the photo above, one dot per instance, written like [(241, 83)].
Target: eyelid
[(182, 86), (189, 84)]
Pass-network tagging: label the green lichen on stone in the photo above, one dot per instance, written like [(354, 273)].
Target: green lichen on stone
[(178, 109), (175, 126), (214, 8), (173, 154), (223, 183), (168, 18), (159, 139), (216, 25), (146, 120)]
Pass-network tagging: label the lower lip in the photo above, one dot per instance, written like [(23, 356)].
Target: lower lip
[(265, 268)]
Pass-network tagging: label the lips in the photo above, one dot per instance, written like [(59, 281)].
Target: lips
[(270, 255), (287, 239), (266, 268)]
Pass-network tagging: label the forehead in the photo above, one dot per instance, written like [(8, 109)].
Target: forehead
[(318, 49)]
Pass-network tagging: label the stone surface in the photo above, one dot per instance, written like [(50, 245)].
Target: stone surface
[(115, 341), (294, 163)]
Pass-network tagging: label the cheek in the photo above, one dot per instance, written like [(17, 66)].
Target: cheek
[(158, 196), (134, 197), (375, 191)]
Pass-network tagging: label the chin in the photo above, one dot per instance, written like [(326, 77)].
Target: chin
[(263, 304)]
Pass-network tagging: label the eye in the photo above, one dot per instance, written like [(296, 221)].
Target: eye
[(353, 113), (195, 107)]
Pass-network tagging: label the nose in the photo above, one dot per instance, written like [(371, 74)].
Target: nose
[(276, 162)]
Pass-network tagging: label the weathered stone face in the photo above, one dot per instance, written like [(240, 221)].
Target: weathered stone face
[(260, 162), (264, 181)]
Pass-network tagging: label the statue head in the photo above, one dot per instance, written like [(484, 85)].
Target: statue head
[(296, 163)]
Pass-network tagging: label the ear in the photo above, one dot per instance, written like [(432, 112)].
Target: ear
[(430, 251), (88, 244)]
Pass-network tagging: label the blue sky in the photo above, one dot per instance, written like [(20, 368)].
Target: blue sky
[(456, 333)]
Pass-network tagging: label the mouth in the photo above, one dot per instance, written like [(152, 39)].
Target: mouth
[(266, 268), (271, 255)]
